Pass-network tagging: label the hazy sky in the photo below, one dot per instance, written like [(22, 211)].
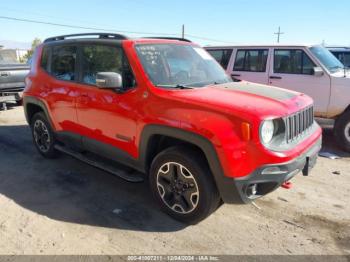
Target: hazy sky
[(253, 21)]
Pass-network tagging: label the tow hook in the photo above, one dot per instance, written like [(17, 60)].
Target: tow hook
[(287, 185)]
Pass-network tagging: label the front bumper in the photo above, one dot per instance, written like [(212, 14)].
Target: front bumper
[(269, 177), (14, 94)]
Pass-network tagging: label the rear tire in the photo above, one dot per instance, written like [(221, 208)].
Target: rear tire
[(182, 184), (43, 136), (342, 131)]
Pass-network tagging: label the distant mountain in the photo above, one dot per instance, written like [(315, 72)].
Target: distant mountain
[(14, 44)]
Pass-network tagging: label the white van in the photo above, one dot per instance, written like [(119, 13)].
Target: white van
[(308, 69)]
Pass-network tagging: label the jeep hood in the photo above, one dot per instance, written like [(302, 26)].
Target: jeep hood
[(245, 98)]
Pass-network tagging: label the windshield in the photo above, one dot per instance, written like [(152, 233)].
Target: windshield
[(326, 58), (174, 65)]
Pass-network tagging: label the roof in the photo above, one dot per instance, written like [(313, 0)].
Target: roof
[(88, 37), (339, 48), (261, 45)]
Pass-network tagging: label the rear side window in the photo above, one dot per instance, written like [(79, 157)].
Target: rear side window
[(63, 62), (251, 60), (222, 56), (294, 61), (102, 58)]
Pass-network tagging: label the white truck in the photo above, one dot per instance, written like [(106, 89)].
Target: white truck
[(309, 69)]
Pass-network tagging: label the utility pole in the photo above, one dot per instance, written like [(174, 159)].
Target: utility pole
[(279, 33), (183, 31)]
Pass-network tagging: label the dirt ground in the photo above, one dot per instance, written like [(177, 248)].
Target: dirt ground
[(63, 206)]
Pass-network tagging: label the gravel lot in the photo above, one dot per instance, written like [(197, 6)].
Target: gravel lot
[(63, 206)]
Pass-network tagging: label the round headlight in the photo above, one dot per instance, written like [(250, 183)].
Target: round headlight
[(267, 130)]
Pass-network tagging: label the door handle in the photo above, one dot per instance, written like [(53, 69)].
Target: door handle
[(233, 75), (275, 77)]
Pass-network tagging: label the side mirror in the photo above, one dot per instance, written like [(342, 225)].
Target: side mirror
[(318, 71), (109, 80)]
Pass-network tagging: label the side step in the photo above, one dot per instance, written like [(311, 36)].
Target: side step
[(133, 176)]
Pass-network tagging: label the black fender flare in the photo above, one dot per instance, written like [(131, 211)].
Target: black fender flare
[(35, 101), (226, 185)]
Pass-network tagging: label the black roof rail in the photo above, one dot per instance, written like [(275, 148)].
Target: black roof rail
[(344, 47), (100, 35), (168, 38)]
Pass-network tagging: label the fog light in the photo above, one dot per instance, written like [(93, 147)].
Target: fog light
[(252, 190)]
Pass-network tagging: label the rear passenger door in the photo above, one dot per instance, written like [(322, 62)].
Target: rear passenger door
[(293, 68), (251, 65), (58, 86)]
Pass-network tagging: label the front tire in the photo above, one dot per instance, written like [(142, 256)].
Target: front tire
[(342, 131), (43, 136), (182, 184)]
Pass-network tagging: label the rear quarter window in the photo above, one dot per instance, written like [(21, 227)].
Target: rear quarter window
[(45, 59)]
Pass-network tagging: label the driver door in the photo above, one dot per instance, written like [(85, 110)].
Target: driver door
[(293, 68), (107, 119)]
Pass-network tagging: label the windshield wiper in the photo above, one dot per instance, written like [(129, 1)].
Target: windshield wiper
[(179, 86)]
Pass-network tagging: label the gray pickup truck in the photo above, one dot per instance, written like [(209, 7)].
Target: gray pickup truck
[(12, 74)]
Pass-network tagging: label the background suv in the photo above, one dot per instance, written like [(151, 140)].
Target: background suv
[(310, 69)]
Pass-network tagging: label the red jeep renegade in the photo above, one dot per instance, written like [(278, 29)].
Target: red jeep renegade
[(165, 108)]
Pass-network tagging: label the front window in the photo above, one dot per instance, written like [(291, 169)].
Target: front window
[(97, 58), (174, 65), (326, 58), (103, 58), (292, 61)]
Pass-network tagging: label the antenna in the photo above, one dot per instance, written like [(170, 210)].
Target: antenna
[(279, 33)]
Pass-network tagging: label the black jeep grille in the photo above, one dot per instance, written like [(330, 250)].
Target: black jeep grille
[(299, 123)]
